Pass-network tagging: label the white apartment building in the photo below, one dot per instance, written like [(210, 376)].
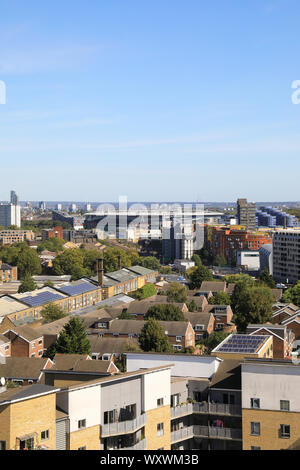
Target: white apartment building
[(286, 256)]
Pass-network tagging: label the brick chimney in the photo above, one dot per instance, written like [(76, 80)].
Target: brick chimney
[(100, 271), (119, 262)]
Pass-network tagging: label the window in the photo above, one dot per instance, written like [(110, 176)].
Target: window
[(110, 416), (45, 435), (255, 429), (82, 448), (255, 402), (160, 402), (176, 346), (199, 327), (284, 431), (174, 400), (284, 405), (178, 339), (255, 448), (81, 423), (40, 341), (160, 429), (2, 445), (197, 396)]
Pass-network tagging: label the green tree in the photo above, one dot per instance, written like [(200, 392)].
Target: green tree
[(151, 262), (220, 298), (239, 288), (192, 306), (51, 312), (27, 285), (48, 284), (292, 295), (28, 263), (198, 275), (70, 262), (197, 260), (266, 278), (254, 306), (165, 270), (148, 290), (153, 338), (165, 312), (51, 244), (214, 339), (176, 292), (126, 316), (73, 339), (220, 260)]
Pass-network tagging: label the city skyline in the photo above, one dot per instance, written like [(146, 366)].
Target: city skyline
[(154, 102)]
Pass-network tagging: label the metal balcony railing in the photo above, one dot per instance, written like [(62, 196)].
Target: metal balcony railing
[(142, 445), (213, 432), (123, 427), (182, 434), (205, 408), (209, 432)]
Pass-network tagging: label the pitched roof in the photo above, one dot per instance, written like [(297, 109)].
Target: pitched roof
[(110, 345), (78, 363), (213, 286), (199, 318), (26, 332), (22, 393), (126, 327), (23, 367)]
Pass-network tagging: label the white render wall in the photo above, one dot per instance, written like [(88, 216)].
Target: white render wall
[(85, 404), (184, 366), (156, 385), (271, 383)]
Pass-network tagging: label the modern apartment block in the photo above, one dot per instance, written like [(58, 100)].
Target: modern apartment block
[(270, 405), (10, 215), (246, 214), (286, 256), (128, 411), (8, 237)]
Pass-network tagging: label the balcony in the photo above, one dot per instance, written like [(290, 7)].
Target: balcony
[(181, 410), (123, 427), (212, 432), (182, 434), (209, 432), (142, 445), (217, 409), (205, 408)]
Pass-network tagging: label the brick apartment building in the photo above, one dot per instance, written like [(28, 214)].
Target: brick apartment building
[(227, 242), (8, 273)]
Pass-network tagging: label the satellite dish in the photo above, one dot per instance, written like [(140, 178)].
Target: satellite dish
[(2, 381)]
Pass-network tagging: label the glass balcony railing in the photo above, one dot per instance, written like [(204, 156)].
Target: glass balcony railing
[(205, 408)]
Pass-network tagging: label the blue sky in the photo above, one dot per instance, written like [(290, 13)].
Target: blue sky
[(160, 100)]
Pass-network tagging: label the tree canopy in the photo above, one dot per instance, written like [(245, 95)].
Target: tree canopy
[(72, 340), (198, 275), (148, 290), (176, 292), (51, 312), (292, 295), (253, 305), (27, 285), (165, 312), (153, 338), (220, 298), (266, 278)]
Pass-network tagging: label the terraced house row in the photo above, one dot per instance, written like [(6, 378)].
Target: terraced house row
[(71, 296)]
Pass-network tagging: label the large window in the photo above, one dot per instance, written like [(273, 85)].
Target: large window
[(2, 445), (110, 416), (45, 435)]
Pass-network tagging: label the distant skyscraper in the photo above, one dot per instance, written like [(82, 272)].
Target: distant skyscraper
[(88, 207), (246, 214), (14, 199), (10, 214), (42, 205), (73, 208), (58, 207)]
